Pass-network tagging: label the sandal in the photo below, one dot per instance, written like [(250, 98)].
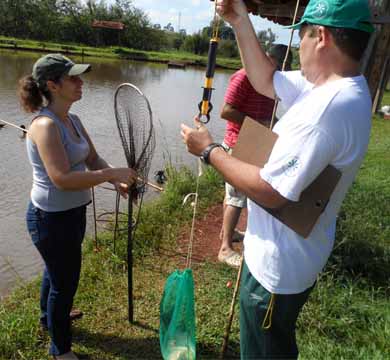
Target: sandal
[(233, 259), (75, 314)]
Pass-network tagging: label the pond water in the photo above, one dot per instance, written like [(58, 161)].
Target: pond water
[(173, 95)]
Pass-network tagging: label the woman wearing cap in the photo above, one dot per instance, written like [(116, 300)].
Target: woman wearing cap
[(60, 151)]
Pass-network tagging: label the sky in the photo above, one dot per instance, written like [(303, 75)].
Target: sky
[(196, 14)]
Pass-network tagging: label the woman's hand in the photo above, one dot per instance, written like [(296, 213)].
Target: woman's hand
[(125, 176), (122, 189), (232, 11)]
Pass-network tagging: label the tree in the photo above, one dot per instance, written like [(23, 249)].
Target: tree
[(71, 20), (266, 38), (225, 32), (228, 49), (197, 43), (169, 27)]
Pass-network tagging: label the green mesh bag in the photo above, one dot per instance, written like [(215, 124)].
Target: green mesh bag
[(177, 317)]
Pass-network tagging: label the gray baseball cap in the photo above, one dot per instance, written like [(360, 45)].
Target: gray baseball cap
[(53, 66)]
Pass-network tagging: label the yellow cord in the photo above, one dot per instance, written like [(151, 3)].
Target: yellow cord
[(267, 322), (216, 23)]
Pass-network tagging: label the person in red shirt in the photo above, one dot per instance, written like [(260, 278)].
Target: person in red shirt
[(241, 100)]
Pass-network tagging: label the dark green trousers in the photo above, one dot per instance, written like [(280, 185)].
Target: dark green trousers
[(279, 315)]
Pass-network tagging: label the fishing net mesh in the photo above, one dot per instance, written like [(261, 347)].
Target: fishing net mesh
[(135, 124), (177, 317)]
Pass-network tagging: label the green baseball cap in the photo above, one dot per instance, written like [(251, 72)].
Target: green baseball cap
[(53, 66), (350, 14)]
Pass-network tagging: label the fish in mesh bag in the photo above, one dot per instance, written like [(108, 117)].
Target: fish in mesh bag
[(177, 317)]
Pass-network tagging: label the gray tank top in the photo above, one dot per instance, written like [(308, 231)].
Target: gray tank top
[(44, 194)]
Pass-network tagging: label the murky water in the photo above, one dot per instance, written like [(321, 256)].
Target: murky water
[(173, 94)]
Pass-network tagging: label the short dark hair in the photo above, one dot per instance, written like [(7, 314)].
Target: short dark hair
[(351, 42), (278, 52)]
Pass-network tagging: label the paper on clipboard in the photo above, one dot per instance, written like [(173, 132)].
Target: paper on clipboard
[(254, 146)]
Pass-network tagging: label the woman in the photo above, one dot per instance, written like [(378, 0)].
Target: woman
[(60, 151)]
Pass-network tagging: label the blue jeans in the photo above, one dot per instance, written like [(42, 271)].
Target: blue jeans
[(58, 237)]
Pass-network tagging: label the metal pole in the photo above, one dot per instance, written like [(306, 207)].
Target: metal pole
[(94, 217), (117, 202), (130, 257)]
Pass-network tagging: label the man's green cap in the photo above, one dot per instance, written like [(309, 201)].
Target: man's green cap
[(53, 66), (349, 14)]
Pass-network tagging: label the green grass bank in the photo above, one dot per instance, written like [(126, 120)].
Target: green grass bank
[(347, 317), (116, 52)]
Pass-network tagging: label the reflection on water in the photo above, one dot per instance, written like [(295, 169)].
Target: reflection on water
[(173, 95)]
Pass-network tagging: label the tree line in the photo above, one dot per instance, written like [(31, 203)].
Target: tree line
[(71, 21)]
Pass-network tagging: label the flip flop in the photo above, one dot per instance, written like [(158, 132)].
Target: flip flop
[(233, 259), (75, 314)]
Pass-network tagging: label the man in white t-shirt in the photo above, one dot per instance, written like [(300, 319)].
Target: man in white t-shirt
[(327, 122)]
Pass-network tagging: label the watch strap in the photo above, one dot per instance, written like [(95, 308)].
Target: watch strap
[(205, 156)]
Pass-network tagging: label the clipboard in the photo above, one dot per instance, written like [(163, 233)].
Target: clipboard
[(254, 146)]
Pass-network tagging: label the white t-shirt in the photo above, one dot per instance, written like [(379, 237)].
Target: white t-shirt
[(325, 125)]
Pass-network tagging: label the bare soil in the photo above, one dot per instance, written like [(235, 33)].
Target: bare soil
[(206, 235)]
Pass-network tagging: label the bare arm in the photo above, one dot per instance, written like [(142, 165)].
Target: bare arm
[(230, 113), (243, 176), (93, 161), (46, 136), (246, 178), (258, 66)]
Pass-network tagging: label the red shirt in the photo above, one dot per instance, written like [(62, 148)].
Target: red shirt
[(242, 96)]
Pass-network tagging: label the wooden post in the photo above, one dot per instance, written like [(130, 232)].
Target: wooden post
[(379, 54), (381, 86)]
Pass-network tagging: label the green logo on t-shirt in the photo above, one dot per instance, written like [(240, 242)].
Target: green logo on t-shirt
[(291, 168)]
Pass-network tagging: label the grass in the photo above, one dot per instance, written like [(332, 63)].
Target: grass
[(115, 52), (347, 317)]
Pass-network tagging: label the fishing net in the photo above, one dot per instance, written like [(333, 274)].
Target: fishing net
[(177, 317), (135, 124)]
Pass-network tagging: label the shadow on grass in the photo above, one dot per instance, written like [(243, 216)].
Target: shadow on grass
[(140, 348), (363, 259), (123, 348), (362, 250)]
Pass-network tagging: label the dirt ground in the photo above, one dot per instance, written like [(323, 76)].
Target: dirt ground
[(206, 237)]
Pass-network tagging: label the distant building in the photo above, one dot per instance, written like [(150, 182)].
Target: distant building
[(116, 25)]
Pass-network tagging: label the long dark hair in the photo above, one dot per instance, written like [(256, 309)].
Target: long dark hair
[(33, 96)]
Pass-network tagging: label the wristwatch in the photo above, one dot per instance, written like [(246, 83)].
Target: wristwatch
[(205, 156)]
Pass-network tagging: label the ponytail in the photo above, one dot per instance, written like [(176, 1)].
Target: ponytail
[(30, 95)]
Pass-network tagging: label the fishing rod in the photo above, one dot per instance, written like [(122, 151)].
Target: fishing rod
[(205, 105), (22, 128)]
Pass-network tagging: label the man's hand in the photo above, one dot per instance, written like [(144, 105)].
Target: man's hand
[(196, 139), (232, 11)]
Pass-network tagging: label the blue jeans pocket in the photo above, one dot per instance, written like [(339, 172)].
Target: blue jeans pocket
[(33, 230), (37, 226)]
